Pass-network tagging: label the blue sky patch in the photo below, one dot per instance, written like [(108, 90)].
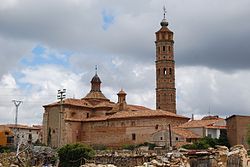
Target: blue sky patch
[(107, 18), (42, 55)]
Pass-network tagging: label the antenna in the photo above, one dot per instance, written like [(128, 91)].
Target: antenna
[(209, 112), (95, 69)]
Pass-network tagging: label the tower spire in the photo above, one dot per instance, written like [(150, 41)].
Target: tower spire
[(164, 12), (95, 69), (164, 22)]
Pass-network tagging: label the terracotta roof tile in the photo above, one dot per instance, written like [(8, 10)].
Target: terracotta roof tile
[(185, 133), (95, 95), (200, 123), (83, 103), (144, 113), (136, 107)]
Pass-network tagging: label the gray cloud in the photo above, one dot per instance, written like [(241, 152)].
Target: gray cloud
[(210, 35)]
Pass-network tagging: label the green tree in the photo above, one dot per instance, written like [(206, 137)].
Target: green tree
[(74, 155), (223, 140)]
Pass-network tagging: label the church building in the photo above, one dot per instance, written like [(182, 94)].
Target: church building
[(95, 120)]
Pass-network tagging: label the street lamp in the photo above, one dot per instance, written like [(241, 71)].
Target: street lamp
[(61, 94)]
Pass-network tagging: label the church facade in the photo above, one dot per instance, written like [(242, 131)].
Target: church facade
[(95, 120)]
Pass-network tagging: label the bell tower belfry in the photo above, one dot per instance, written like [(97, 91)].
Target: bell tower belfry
[(165, 69)]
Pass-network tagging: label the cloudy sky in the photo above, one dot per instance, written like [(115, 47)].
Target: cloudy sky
[(49, 45)]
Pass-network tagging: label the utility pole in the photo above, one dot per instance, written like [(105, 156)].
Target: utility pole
[(17, 104), (170, 136), (61, 94)]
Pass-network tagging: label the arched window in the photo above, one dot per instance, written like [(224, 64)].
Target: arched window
[(170, 71), (164, 71), (163, 48), (169, 48)]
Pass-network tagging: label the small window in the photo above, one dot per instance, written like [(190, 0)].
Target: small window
[(6, 133), (161, 138), (156, 127), (29, 130), (133, 136), (170, 71), (54, 131), (163, 48), (176, 138), (30, 136), (87, 115), (159, 49), (165, 71), (169, 48)]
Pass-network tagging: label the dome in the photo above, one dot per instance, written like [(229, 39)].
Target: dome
[(96, 79), (121, 92), (164, 22)]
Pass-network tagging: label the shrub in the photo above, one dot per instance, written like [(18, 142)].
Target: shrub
[(129, 147), (204, 143), (99, 147), (74, 154), (151, 146)]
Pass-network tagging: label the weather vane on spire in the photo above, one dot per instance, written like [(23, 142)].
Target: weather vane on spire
[(95, 69), (164, 11)]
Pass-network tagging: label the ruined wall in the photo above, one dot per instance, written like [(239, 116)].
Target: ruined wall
[(118, 132)]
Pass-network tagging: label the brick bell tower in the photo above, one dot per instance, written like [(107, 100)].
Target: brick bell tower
[(165, 69)]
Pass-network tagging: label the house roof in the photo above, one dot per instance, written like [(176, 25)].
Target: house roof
[(88, 103), (131, 114), (232, 116), (144, 113), (36, 127), (185, 133), (188, 134), (202, 123)]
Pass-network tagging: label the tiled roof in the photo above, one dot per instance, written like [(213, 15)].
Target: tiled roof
[(136, 108), (83, 103), (144, 113), (95, 95), (200, 123), (185, 133), (131, 114)]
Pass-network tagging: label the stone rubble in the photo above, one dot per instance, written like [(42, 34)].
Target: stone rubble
[(220, 156)]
